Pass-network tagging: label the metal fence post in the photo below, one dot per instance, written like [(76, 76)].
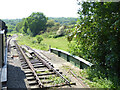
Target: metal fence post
[(50, 48), (68, 58), (59, 53)]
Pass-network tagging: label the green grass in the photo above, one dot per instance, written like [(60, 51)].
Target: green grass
[(59, 43)]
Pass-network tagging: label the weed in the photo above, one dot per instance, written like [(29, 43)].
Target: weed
[(38, 72), (58, 80)]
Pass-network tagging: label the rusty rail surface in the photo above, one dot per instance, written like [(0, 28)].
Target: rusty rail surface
[(9, 44), (46, 63), (30, 65), (49, 66), (80, 81)]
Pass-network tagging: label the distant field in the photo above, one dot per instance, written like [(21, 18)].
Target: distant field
[(59, 43)]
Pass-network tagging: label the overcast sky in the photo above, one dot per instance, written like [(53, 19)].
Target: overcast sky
[(12, 9)]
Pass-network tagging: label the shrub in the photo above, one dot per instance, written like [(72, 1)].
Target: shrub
[(39, 39), (34, 41)]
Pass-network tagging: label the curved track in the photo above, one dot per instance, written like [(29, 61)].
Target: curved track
[(40, 73)]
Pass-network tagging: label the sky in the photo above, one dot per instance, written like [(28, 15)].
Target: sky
[(17, 9)]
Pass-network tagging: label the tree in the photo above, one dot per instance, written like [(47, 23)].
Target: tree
[(52, 26), (25, 25), (19, 25), (50, 23), (33, 24), (97, 34), (61, 31), (36, 23)]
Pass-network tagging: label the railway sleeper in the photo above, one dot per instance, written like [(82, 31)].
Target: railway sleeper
[(24, 47), (20, 57), (43, 77), (27, 71), (44, 70), (41, 74), (30, 51), (23, 63), (29, 55), (57, 85), (33, 82), (31, 78), (34, 87), (38, 66), (46, 82), (25, 67), (29, 74), (35, 61)]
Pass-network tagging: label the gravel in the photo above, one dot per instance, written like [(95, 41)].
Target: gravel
[(16, 77)]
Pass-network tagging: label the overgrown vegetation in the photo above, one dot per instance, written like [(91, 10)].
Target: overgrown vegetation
[(63, 20), (52, 24), (58, 80), (97, 38), (93, 78), (11, 23)]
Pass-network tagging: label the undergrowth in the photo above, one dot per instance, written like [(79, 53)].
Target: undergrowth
[(95, 78)]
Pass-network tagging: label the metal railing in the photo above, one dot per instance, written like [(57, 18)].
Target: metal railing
[(77, 61)]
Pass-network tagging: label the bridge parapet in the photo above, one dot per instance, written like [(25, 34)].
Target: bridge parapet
[(77, 61)]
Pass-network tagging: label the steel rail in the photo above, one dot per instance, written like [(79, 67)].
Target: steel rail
[(49, 66), (31, 67), (80, 81), (9, 44)]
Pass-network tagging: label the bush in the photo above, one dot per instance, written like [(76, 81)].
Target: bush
[(34, 41), (39, 39), (61, 31), (97, 36)]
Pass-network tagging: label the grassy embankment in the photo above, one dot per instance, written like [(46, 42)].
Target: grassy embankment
[(59, 43)]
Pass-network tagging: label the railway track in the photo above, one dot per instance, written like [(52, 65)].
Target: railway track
[(40, 73)]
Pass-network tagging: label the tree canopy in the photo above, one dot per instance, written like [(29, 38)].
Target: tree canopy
[(97, 34), (33, 24)]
